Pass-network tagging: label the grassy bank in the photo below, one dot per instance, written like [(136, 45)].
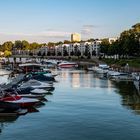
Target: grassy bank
[(133, 63)]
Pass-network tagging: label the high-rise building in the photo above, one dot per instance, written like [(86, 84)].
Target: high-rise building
[(75, 37)]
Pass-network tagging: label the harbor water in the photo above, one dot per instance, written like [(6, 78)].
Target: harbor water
[(83, 106)]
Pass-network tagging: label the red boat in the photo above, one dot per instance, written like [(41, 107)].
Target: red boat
[(23, 102), (66, 64)]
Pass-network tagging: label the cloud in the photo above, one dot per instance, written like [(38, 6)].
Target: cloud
[(55, 34), (44, 36), (89, 26), (87, 30), (48, 33)]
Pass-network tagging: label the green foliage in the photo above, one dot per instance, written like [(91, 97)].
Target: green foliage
[(7, 53), (6, 46), (122, 62), (25, 45), (105, 46), (34, 45), (19, 45), (128, 43), (67, 42)]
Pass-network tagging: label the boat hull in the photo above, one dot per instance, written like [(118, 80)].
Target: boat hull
[(67, 65), (22, 102)]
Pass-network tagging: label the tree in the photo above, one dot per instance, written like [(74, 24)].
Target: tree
[(104, 46), (67, 42), (94, 52), (78, 53), (25, 45), (34, 46), (91, 40), (86, 53), (127, 45), (136, 27), (48, 53), (7, 46), (18, 44), (39, 53), (31, 53), (59, 54), (51, 44), (72, 53), (59, 43), (65, 53), (7, 53), (130, 42)]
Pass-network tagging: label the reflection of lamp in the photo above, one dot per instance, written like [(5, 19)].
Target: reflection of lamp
[(127, 67)]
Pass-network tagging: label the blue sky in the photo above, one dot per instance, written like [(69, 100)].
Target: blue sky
[(54, 20)]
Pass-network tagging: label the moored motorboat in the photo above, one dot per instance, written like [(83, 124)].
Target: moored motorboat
[(8, 107), (22, 102), (38, 91), (35, 84), (39, 97), (122, 77), (30, 67), (66, 64)]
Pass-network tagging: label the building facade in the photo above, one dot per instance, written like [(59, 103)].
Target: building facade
[(74, 49), (75, 37), (83, 49)]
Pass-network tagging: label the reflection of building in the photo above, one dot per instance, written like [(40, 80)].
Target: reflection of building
[(85, 80), (75, 80), (81, 80), (64, 75), (75, 37)]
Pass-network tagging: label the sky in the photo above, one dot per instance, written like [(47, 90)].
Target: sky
[(54, 20)]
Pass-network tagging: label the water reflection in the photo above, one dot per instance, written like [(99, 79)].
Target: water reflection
[(83, 79), (129, 95), (88, 80), (6, 120), (75, 80)]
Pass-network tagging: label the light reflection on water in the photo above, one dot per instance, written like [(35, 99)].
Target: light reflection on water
[(83, 79), (83, 106)]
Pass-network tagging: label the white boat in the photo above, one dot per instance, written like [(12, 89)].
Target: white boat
[(91, 68), (113, 73), (48, 73), (35, 84), (101, 69), (66, 64), (37, 96), (38, 91), (136, 76), (122, 77), (31, 67)]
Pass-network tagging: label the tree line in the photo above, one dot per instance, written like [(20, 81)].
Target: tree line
[(8, 46), (128, 44)]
